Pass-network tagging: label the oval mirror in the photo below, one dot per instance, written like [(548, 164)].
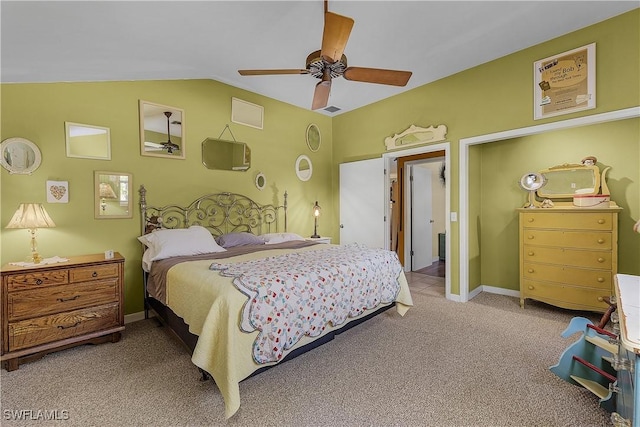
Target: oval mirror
[(304, 168), (261, 181), (313, 137), (19, 155)]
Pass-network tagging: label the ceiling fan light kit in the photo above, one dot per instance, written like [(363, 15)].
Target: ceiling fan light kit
[(330, 62)]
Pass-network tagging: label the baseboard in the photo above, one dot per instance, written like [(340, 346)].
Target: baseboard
[(499, 291), (134, 317)]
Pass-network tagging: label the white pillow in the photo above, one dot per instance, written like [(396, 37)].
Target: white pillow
[(179, 242), (273, 238)]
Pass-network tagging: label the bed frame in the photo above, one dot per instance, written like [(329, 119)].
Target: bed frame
[(220, 213)]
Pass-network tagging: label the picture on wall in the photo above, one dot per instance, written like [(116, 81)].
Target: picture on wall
[(57, 192), (565, 83)]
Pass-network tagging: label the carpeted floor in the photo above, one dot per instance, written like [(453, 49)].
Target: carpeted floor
[(482, 363)]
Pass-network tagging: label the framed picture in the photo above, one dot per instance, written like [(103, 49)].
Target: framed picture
[(565, 83), (57, 191)]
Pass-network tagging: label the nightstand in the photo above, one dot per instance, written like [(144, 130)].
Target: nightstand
[(326, 240), (56, 306)]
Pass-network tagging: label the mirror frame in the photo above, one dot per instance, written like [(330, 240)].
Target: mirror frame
[(299, 174), (208, 151), (542, 192), (13, 169), (313, 137), (98, 205), (150, 109), (68, 137), (260, 177)]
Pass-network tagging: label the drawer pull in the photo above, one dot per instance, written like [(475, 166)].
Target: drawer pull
[(69, 299), (600, 259), (530, 270), (601, 241), (38, 281), (531, 237), (530, 253), (530, 287), (600, 299), (601, 221), (69, 326), (530, 220), (94, 274), (600, 279)]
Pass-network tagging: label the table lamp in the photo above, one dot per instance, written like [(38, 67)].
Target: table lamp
[(106, 192), (316, 214), (31, 216)]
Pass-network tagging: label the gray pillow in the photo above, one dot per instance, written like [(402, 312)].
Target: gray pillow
[(239, 239)]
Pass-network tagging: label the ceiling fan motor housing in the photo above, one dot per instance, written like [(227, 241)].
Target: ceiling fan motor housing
[(316, 65)]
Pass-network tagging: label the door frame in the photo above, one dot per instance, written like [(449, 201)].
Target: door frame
[(389, 158), (463, 171)]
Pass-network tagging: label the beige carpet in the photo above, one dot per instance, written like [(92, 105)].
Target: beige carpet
[(483, 363)]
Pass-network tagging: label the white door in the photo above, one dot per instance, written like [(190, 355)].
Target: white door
[(362, 207), (421, 218)]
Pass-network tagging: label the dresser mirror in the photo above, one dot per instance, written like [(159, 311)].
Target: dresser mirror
[(19, 155), (87, 141), (565, 181), (161, 131), (226, 155), (112, 193)]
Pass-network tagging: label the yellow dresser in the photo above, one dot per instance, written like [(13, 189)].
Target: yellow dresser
[(568, 256)]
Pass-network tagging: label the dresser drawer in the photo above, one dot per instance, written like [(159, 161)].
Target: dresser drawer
[(28, 280), (96, 272), (570, 257), (55, 299), (566, 296), (42, 330), (572, 239), (569, 221), (601, 279)]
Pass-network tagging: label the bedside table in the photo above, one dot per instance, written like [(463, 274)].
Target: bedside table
[(56, 306), (326, 240)]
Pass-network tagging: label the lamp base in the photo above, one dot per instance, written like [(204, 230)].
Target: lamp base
[(35, 258), (315, 236)]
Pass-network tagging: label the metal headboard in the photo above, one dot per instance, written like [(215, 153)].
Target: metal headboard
[(220, 213)]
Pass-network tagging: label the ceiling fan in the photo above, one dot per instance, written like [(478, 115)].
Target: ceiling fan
[(330, 62), (168, 145)]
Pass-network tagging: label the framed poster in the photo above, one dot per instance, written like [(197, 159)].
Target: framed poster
[(565, 83)]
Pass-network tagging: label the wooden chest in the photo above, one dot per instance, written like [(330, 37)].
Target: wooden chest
[(568, 256), (56, 306)]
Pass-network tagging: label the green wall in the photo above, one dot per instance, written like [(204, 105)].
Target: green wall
[(38, 112), (489, 98), (493, 97)]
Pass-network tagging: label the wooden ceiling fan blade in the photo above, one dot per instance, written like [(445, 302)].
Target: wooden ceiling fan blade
[(335, 35), (377, 75), (271, 72), (321, 95)]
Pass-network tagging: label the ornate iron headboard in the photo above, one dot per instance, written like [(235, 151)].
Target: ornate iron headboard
[(220, 213)]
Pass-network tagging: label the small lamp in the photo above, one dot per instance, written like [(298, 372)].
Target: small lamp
[(106, 192), (316, 214), (31, 216)]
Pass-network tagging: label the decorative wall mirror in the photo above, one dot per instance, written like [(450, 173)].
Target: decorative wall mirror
[(19, 155), (112, 194), (565, 181), (161, 131), (261, 181), (314, 139), (87, 141), (304, 168), (225, 155)]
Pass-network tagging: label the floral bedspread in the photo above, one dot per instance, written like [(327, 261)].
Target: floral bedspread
[(300, 294)]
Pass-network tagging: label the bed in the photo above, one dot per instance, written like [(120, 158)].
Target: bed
[(244, 294)]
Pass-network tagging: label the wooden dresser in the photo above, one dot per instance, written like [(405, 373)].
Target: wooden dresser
[(57, 306), (568, 256)]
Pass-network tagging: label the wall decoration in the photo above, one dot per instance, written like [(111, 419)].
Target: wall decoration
[(112, 195), (304, 168), (87, 141), (261, 181), (565, 83), (19, 155), (162, 131), (246, 113), (313, 137), (57, 191), (415, 135)]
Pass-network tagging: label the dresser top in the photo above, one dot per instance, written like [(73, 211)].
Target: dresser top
[(72, 262), (569, 207)]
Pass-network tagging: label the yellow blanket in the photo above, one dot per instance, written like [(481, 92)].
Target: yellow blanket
[(211, 305)]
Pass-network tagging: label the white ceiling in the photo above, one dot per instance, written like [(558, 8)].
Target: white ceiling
[(53, 41)]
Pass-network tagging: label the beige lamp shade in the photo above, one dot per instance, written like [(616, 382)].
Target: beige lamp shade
[(106, 191), (31, 216)]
